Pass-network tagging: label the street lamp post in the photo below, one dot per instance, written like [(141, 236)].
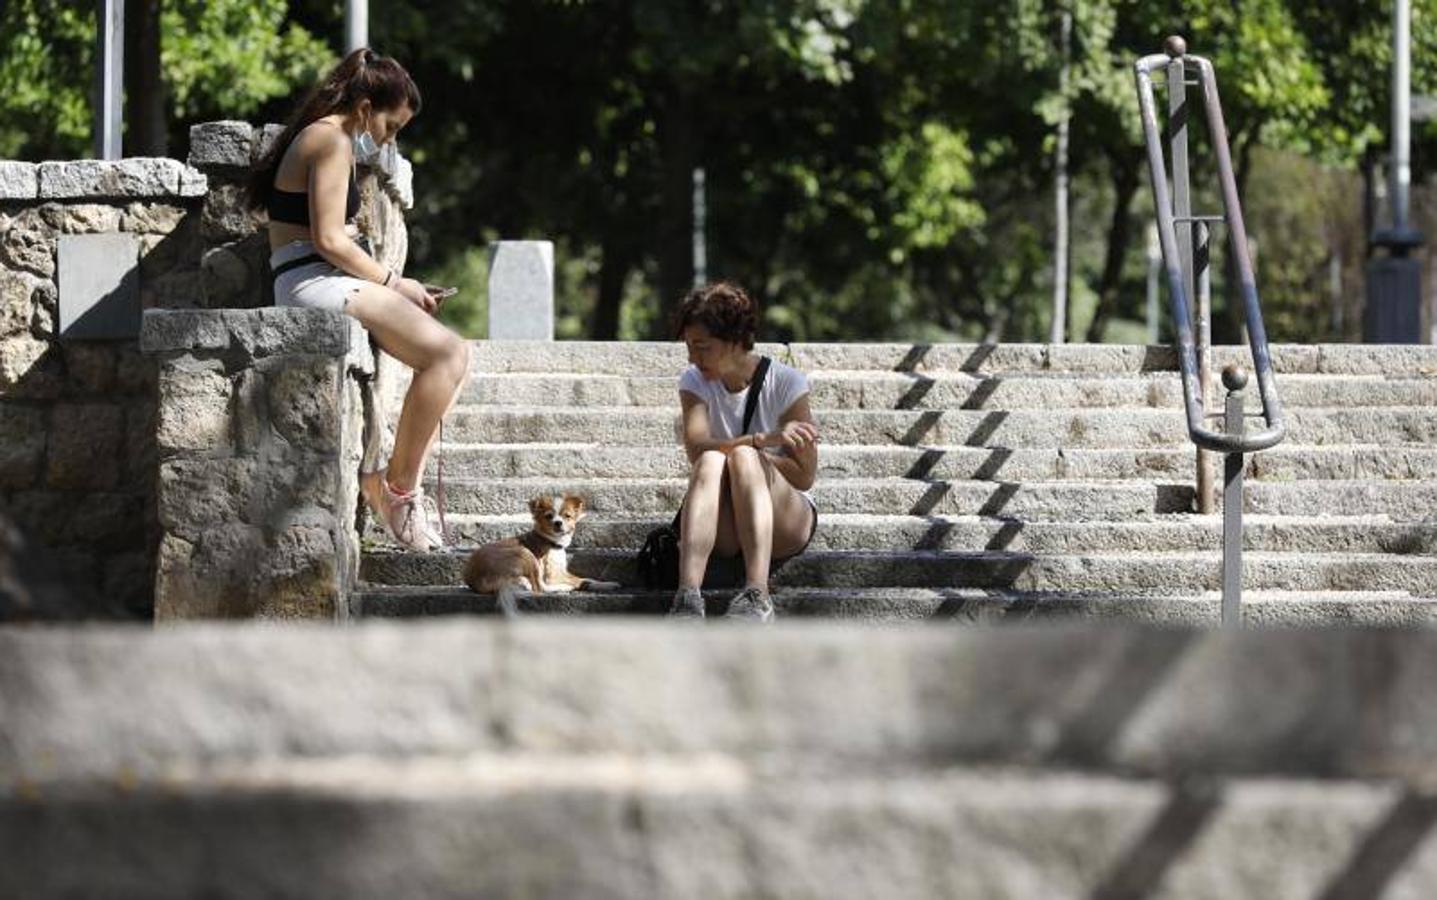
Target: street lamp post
[(1394, 281)]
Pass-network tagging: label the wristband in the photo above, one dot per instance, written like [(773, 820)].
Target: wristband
[(387, 277)]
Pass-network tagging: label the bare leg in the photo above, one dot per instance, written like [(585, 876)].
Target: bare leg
[(753, 512), (440, 360), (699, 526)]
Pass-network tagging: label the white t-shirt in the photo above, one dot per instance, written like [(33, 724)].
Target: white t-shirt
[(782, 387)]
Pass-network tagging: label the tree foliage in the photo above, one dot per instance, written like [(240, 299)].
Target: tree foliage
[(872, 169)]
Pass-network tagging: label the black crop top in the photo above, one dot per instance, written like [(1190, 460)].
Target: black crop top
[(292, 207)]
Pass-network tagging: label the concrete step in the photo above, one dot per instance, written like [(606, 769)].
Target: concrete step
[(947, 390), (967, 606), (709, 825), (894, 496), (1099, 428), (861, 531), (1145, 573), (669, 358), (1409, 501), (118, 704), (1287, 461)]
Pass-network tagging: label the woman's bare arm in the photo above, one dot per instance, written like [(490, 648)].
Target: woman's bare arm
[(798, 433), (328, 194)]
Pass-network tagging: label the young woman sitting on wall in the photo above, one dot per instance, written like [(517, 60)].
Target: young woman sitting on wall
[(308, 184)]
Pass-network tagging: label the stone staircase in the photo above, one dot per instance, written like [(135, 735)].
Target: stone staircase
[(967, 482), (627, 759)]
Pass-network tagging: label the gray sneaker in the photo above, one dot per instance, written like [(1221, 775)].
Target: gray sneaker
[(688, 604), (752, 604)]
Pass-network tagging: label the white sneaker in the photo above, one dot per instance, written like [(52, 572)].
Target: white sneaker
[(405, 516)]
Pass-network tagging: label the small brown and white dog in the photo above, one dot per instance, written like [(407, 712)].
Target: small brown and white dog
[(537, 561)]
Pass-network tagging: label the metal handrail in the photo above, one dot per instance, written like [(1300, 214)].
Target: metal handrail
[(1195, 400)]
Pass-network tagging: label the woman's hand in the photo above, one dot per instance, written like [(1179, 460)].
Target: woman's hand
[(795, 435), (415, 293)]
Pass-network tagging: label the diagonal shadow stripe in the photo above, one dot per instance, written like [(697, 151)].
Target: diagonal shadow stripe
[(913, 397), (913, 358), (995, 461), (975, 360), (998, 500), (1140, 669), (991, 423), (919, 429), (982, 393), (934, 495), (924, 465), (1385, 850), (1138, 874), (1003, 538), (935, 536)]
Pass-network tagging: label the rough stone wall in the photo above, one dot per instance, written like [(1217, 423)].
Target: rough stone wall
[(260, 434), (78, 418), (77, 463)]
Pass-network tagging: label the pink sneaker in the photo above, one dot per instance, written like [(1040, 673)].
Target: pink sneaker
[(403, 515)]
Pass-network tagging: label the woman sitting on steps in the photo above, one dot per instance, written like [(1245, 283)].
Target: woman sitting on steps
[(748, 486), (308, 184)]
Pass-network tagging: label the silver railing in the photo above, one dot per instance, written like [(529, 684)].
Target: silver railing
[(1186, 263)]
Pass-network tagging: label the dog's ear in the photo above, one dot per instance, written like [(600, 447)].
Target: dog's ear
[(576, 503), (536, 506)]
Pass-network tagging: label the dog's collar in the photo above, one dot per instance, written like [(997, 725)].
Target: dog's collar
[(562, 544)]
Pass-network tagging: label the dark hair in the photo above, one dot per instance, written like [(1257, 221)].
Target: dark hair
[(724, 309), (362, 75)]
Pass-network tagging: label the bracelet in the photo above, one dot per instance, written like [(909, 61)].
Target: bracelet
[(387, 276)]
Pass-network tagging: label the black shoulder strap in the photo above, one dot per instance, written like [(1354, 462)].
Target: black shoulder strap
[(755, 387)]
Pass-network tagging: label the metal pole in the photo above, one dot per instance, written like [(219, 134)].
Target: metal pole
[(701, 253), (1202, 275), (1401, 110), (356, 25), (1155, 264), (109, 78), (1234, 378), (1059, 331)]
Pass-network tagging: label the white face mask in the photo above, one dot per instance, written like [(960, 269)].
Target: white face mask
[(365, 147)]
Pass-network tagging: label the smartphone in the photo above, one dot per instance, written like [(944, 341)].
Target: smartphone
[(440, 293)]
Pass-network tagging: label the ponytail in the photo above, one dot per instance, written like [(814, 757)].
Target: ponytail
[(362, 75)]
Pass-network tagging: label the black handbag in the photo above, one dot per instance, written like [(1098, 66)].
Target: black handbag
[(658, 559)]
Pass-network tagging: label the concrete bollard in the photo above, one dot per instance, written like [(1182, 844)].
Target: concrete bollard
[(521, 291)]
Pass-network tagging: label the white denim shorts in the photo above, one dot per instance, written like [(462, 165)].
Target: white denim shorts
[(313, 285)]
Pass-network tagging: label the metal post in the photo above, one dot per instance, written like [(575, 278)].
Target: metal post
[(701, 252), (356, 25), (109, 77), (1202, 275), (1401, 110), (1394, 282), (1059, 331), (1155, 265), (1234, 378)]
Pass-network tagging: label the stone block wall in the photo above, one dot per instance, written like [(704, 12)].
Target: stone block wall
[(79, 418), (260, 436)]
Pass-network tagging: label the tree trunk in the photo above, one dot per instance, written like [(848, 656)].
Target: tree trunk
[(147, 133), (676, 213), (613, 272), (1125, 173)]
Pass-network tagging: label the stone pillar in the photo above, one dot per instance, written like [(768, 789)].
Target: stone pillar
[(259, 433), (521, 291)]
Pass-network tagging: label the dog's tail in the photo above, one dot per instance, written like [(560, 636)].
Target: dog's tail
[(508, 597)]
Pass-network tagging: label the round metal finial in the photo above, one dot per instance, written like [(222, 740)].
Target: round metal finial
[(1234, 377), (1175, 46)]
